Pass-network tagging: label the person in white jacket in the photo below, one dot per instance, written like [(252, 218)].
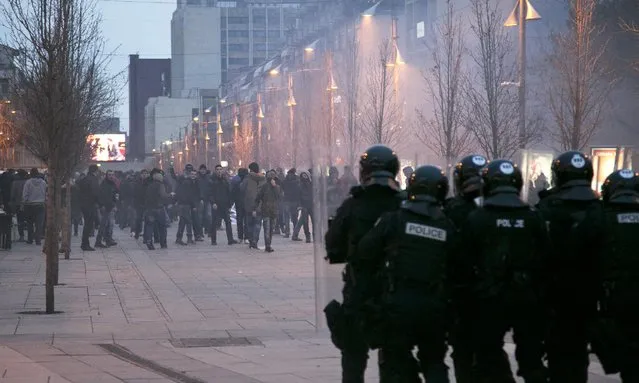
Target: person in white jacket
[(34, 194)]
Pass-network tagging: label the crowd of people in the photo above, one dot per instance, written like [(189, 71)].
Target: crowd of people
[(201, 202), (426, 271)]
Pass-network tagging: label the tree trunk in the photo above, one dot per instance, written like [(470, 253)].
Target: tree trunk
[(65, 206), (51, 241)]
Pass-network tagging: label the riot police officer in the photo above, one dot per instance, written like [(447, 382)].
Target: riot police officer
[(507, 240), (614, 233), (376, 194), (413, 245), (571, 267), (467, 184)]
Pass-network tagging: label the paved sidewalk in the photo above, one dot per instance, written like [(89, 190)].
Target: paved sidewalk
[(187, 314)]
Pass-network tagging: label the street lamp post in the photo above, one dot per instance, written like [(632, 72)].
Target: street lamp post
[(291, 120), (522, 13), (219, 136), (260, 117), (332, 87)]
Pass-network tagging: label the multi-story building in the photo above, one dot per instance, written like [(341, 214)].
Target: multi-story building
[(214, 40), (195, 48), (147, 78), (7, 70)]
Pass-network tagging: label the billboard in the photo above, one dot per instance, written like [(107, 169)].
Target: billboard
[(107, 147), (536, 172), (606, 160)]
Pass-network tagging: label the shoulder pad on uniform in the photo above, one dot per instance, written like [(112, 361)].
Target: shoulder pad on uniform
[(402, 195), (356, 190)]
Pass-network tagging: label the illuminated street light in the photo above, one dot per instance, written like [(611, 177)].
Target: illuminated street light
[(196, 118), (332, 85), (370, 12), (274, 72), (13, 112), (223, 101)]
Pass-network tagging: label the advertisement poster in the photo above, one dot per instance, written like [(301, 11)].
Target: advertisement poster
[(107, 147), (603, 162), (538, 174)]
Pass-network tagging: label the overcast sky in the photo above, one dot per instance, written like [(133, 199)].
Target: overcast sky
[(133, 26)]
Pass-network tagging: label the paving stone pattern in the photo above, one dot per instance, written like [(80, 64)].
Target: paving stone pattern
[(153, 303)]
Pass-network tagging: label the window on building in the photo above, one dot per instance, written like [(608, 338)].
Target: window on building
[(238, 61), (238, 47), (224, 64), (238, 20), (273, 16), (260, 47), (238, 34), (226, 4), (193, 2), (258, 60), (259, 33), (274, 34), (259, 20), (4, 88)]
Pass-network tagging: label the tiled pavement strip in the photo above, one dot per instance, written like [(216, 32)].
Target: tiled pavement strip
[(140, 299)]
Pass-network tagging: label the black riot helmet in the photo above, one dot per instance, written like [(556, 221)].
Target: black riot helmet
[(620, 182), (427, 183), (572, 169), (467, 176), (378, 164), (502, 176)]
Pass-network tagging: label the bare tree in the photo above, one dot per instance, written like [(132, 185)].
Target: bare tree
[(492, 108), (382, 113), (579, 90), (348, 69), (62, 94), (445, 133)]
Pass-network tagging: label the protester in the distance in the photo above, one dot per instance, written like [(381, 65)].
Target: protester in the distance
[(250, 186), (34, 195), (221, 204), (266, 208)]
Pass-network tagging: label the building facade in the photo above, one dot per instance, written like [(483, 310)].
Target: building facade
[(147, 78)]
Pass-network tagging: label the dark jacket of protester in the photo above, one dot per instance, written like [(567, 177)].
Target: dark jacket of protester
[(155, 196), (236, 190), (107, 194), (16, 188), (205, 183), (187, 191), (291, 187), (221, 193), (250, 186), (306, 191), (267, 199), (89, 190)]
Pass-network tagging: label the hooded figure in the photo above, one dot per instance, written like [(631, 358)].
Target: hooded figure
[(250, 187), (305, 207)]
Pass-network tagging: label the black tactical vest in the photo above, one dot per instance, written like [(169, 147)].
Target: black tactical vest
[(619, 256), (509, 256), (418, 257)]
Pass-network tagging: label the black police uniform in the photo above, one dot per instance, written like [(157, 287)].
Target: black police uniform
[(571, 267), (467, 182), (412, 247), (614, 233), (354, 218), (507, 240)]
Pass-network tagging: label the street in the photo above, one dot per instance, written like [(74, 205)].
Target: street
[(195, 314)]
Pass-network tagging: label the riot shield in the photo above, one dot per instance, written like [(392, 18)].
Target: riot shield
[(330, 190)]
